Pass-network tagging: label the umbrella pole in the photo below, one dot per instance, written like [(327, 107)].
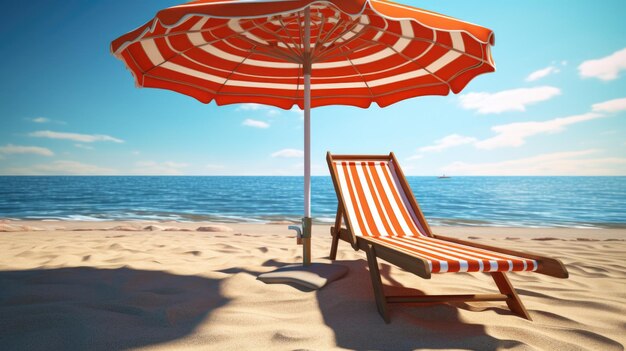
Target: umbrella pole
[(306, 221)]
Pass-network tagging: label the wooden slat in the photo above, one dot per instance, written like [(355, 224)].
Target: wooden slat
[(333, 173), (410, 196), (446, 298), (361, 157)]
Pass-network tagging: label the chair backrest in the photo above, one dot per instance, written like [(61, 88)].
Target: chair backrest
[(373, 197)]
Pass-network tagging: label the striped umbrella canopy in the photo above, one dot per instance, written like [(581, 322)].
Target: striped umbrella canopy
[(307, 53)]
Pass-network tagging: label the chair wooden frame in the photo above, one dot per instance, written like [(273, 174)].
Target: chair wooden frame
[(419, 266)]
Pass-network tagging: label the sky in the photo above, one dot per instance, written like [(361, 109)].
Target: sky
[(556, 104)]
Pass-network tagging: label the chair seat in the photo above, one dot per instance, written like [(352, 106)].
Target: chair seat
[(445, 256)]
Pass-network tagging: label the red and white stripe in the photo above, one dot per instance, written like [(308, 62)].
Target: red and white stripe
[(374, 200), (363, 51), (378, 210), (447, 257)]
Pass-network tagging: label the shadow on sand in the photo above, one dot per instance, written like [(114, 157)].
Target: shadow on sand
[(349, 309), (100, 309)]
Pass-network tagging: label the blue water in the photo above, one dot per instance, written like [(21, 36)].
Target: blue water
[(495, 201)]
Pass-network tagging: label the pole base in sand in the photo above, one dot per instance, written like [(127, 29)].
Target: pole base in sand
[(313, 276)]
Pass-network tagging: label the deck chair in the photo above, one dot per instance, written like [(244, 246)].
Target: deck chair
[(383, 219)]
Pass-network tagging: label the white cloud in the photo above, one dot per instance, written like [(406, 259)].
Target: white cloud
[(615, 105), (515, 134), (10, 149), (159, 168), (270, 111), (415, 157), (295, 109), (254, 123), (62, 168), (447, 142), (40, 120), (538, 74), (175, 164), (558, 163), (288, 153), (507, 100), (444, 143), (83, 138), (605, 68), (251, 107), (82, 146)]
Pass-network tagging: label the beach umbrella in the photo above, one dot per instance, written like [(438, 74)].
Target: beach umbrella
[(305, 53)]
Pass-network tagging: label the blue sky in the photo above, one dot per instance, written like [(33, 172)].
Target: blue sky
[(555, 106)]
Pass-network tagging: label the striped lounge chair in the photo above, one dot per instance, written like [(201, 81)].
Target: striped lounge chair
[(383, 218)]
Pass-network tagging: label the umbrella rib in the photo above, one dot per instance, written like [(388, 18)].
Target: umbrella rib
[(319, 35), (362, 78), (479, 64), (351, 26), (199, 87), (300, 69), (279, 38), (278, 54), (232, 72), (182, 83), (329, 33), (275, 54), (366, 45), (412, 87), (299, 18), (290, 38), (136, 65)]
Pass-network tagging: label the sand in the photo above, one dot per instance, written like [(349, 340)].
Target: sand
[(168, 286)]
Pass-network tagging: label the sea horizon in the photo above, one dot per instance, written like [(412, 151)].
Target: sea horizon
[(496, 201), (299, 176)]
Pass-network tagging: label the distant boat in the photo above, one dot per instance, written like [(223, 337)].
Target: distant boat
[(443, 176)]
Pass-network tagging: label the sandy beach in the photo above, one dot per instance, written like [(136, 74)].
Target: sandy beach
[(167, 285)]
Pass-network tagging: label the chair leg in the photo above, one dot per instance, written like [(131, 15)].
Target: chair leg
[(335, 234), (333, 247), (506, 288), (377, 283)]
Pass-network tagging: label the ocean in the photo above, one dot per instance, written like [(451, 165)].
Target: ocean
[(581, 202)]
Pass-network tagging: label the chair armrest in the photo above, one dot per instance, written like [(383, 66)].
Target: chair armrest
[(410, 263), (548, 266)]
